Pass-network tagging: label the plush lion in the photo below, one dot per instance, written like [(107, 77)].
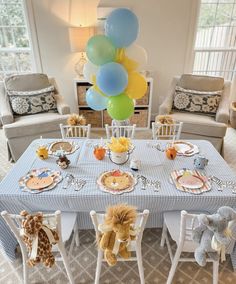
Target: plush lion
[(117, 232), (164, 130), (75, 120), (38, 239)]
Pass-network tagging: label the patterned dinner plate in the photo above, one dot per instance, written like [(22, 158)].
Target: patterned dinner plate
[(197, 184), (185, 148), (116, 182), (39, 180), (65, 147)]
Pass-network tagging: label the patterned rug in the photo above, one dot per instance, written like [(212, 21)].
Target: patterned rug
[(155, 259)]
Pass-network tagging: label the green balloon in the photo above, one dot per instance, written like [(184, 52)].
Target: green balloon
[(120, 107), (100, 50)]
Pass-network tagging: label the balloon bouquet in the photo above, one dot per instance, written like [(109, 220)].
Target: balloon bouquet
[(114, 65)]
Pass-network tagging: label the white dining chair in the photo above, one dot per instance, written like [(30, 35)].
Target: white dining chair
[(166, 131), (65, 224), (98, 218), (180, 225), (120, 131), (75, 131)]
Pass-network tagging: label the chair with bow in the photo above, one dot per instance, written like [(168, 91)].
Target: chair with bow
[(180, 226), (63, 223), (135, 245)]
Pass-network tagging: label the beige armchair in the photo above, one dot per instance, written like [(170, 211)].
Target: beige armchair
[(20, 131), (199, 126)]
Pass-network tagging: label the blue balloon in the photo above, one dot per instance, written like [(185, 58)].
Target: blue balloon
[(95, 100), (112, 79), (122, 27)]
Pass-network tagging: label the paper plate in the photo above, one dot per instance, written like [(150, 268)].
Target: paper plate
[(191, 181), (39, 180), (194, 186), (66, 147), (185, 148), (116, 182)]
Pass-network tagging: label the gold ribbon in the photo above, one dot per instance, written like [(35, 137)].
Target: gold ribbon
[(103, 228)]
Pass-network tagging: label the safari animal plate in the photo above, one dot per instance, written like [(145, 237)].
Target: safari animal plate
[(116, 182), (190, 181), (185, 148), (65, 146), (39, 180)]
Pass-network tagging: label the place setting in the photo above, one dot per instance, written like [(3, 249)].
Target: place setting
[(40, 180)]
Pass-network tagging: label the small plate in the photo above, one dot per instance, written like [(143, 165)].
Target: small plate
[(110, 181), (186, 148), (190, 181), (39, 180), (66, 147)]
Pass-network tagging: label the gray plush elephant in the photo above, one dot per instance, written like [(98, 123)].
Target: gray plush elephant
[(213, 225)]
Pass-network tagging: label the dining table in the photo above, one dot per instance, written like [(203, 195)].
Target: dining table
[(155, 166)]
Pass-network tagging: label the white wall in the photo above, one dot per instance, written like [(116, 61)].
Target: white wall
[(164, 30)]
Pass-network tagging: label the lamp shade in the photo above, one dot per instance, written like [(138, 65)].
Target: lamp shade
[(79, 37)]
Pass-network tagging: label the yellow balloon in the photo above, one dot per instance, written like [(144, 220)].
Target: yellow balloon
[(128, 63), (137, 86)]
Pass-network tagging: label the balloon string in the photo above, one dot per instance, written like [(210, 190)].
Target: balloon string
[(95, 87)]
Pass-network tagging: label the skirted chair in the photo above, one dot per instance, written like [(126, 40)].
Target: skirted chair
[(196, 125), (30, 107)]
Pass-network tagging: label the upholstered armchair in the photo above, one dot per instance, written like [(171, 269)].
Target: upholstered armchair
[(200, 126), (21, 130)]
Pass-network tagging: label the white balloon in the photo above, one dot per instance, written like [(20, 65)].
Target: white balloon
[(90, 70), (138, 54)]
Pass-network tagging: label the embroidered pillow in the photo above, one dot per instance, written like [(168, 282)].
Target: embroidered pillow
[(196, 101), (32, 102)]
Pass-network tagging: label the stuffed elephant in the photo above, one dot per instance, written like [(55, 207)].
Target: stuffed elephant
[(218, 226)]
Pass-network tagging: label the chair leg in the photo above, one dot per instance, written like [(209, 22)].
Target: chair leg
[(76, 232), (174, 266), (140, 263), (99, 266), (215, 271), (25, 267), (163, 235), (62, 250), (25, 273)]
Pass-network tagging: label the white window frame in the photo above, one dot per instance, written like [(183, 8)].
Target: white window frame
[(192, 50), (33, 48)]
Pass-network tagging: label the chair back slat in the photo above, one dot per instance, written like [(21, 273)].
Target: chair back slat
[(75, 131), (120, 131), (166, 131)]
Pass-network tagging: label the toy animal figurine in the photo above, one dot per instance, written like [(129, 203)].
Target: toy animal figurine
[(38, 238), (214, 233), (117, 231), (63, 162), (42, 152)]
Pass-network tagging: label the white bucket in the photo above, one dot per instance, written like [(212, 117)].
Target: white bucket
[(119, 158)]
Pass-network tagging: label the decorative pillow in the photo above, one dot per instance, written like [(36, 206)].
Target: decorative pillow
[(32, 102), (196, 101)]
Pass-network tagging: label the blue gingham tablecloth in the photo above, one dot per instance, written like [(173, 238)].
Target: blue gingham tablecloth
[(154, 165)]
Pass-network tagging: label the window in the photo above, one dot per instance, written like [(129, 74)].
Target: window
[(215, 46), (15, 50)]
